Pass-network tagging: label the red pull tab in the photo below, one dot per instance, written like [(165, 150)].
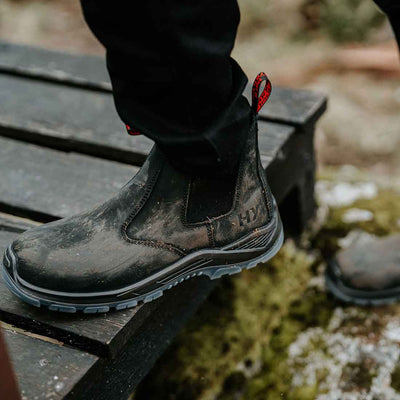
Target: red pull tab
[(259, 100), (132, 131)]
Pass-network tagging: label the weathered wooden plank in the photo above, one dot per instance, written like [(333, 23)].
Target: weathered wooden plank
[(73, 69), (294, 107), (66, 118), (291, 178), (46, 369), (108, 379), (122, 374), (271, 138), (10, 223), (44, 184), (286, 105), (74, 120)]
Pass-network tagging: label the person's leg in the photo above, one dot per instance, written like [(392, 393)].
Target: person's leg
[(200, 204), (173, 77)]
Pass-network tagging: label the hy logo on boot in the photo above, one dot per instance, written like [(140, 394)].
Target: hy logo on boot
[(249, 216)]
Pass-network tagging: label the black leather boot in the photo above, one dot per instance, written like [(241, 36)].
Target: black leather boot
[(162, 228), (367, 273)]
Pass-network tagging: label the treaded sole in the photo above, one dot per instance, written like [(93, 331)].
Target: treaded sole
[(213, 272)]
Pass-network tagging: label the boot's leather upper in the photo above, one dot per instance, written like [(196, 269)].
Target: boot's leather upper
[(141, 230)]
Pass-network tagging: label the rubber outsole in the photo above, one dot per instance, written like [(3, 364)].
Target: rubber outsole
[(354, 296), (212, 272)]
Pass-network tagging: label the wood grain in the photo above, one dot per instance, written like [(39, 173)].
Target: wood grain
[(294, 107), (46, 370)]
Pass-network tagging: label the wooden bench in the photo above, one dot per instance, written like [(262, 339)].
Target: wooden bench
[(63, 149)]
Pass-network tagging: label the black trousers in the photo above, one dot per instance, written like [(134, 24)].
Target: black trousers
[(173, 78)]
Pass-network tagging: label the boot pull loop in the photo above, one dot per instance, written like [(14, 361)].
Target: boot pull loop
[(132, 131), (259, 100)]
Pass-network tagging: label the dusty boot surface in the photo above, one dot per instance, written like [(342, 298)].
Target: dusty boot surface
[(162, 228)]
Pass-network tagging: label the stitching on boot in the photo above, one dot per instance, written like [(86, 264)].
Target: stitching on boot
[(147, 191), (160, 245), (150, 243), (210, 232)]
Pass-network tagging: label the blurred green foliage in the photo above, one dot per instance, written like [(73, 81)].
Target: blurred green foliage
[(338, 20), (349, 20)]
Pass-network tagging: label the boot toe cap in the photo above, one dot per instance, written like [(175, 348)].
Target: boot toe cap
[(104, 263)]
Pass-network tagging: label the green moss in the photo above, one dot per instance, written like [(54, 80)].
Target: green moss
[(386, 210), (238, 325), (349, 20), (274, 381), (313, 309), (304, 393), (395, 379), (233, 386)]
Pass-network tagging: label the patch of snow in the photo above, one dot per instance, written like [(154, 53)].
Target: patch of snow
[(392, 331), (329, 351), (344, 193), (357, 215)]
